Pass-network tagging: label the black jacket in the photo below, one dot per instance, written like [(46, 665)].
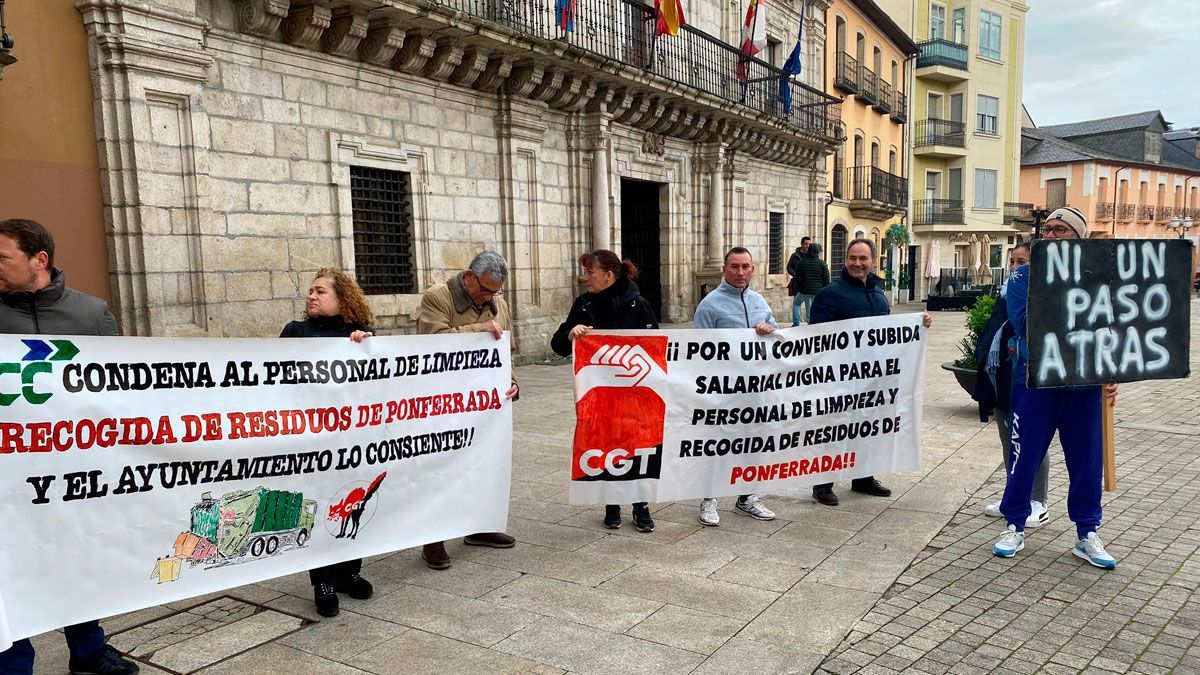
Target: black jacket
[(849, 298), (55, 310), (999, 397), (809, 273), (617, 307), (322, 326)]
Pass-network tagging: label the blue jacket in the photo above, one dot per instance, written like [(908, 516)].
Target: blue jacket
[(999, 395), (849, 298), (729, 307), (1017, 299)]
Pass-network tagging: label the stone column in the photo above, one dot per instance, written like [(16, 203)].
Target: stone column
[(716, 208), (601, 193)]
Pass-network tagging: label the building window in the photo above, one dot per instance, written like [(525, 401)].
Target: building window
[(837, 245), (875, 153), (775, 242), (1056, 193), (985, 188), (989, 35), (960, 25), (383, 230), (1153, 146), (937, 21), (995, 255), (987, 115), (892, 162)]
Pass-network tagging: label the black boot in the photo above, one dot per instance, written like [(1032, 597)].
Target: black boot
[(824, 495), (642, 519), (326, 599), (107, 661), (355, 586), (870, 486), (612, 516)]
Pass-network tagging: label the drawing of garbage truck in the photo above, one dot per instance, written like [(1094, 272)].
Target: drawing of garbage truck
[(244, 525)]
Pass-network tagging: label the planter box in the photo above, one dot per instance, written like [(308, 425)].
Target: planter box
[(965, 376)]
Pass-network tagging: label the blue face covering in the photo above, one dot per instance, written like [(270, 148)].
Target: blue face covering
[(1004, 288)]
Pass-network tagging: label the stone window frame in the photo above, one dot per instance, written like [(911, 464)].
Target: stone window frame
[(784, 206), (346, 151)]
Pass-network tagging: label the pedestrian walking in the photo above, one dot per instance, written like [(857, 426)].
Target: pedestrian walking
[(809, 275), (1074, 412), (993, 390), (611, 301), (734, 305), (469, 302), (35, 300), (856, 294), (336, 308)]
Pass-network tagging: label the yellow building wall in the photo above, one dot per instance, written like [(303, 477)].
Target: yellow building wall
[(49, 170)]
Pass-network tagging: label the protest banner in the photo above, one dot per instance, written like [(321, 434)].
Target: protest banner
[(703, 413), (140, 471), (1108, 310)]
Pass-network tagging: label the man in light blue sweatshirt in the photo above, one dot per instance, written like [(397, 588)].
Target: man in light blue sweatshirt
[(734, 305)]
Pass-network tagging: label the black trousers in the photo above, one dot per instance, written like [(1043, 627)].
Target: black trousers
[(825, 487), (331, 573)]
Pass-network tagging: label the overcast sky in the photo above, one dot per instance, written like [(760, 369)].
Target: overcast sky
[(1086, 59)]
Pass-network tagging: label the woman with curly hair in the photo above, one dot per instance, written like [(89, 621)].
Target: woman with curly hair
[(336, 308)]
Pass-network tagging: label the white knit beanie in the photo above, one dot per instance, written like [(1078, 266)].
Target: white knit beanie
[(1073, 217)]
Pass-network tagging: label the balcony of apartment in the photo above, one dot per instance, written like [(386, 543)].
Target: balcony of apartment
[(1162, 214), (1145, 213), (942, 61), (900, 107), (609, 62), (884, 104), (940, 138), (874, 194), (845, 76), (1018, 214), (868, 86), (1105, 210), (1126, 212), (933, 212)]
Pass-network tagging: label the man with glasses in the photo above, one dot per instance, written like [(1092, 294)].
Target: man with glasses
[(1074, 412), (469, 302)]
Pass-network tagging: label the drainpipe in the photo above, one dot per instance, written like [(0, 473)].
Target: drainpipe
[(825, 227), (1117, 193)]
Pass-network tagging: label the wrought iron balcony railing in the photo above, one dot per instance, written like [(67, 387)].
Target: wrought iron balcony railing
[(845, 77), (1014, 211), (1162, 213), (868, 85), (1145, 213), (884, 102), (900, 107), (623, 31), (938, 212), (1126, 211), (1104, 210), (940, 132), (875, 184), (940, 52)]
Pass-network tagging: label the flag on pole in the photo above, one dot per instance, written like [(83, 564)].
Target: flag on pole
[(754, 34), (670, 17), (792, 67), (564, 14)]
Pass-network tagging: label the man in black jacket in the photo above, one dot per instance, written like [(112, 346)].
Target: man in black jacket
[(34, 300), (855, 294), (809, 275)]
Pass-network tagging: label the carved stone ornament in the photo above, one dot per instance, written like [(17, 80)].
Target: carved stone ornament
[(383, 38), (347, 29), (305, 24), (261, 17), (654, 144)]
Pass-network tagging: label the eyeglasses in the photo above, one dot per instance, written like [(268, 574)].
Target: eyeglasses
[(1057, 229), (488, 292)]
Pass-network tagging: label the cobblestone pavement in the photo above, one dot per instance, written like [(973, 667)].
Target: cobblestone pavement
[(959, 609), (874, 585)]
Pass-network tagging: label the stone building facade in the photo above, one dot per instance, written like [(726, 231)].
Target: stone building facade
[(246, 143)]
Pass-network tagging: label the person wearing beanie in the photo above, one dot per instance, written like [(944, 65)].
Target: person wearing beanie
[(1074, 412)]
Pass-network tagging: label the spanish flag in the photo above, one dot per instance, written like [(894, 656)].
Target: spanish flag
[(670, 16)]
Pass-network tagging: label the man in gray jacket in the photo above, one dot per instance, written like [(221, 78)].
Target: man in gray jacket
[(34, 300), (733, 305)]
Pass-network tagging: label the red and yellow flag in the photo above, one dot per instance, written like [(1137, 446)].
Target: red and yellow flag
[(670, 16)]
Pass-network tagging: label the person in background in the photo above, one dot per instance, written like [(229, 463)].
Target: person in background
[(611, 301), (336, 308), (1074, 412), (993, 389), (469, 302), (811, 275), (733, 305), (35, 300), (856, 294)]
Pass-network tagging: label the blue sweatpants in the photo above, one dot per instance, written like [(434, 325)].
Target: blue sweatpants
[(83, 640), (1075, 415)]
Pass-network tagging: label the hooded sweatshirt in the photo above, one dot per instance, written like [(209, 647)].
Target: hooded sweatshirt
[(731, 307)]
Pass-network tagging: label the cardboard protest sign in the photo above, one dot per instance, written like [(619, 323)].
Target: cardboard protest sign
[(140, 471), (703, 413), (1108, 310)]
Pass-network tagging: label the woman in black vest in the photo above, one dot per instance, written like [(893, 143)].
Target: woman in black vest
[(336, 308)]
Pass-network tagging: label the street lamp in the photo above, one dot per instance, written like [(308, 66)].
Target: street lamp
[(1182, 224)]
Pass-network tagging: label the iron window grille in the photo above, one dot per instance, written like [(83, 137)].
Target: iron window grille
[(775, 235), (383, 230)]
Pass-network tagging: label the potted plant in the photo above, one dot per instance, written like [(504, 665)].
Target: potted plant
[(964, 367)]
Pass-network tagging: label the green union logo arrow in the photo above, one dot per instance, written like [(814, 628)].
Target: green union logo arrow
[(66, 350)]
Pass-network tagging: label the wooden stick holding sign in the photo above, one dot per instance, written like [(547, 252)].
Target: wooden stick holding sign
[(1104, 311)]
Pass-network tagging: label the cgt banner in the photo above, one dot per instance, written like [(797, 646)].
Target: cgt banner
[(705, 413), (139, 471)]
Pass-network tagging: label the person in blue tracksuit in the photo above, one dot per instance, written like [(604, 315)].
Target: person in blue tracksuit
[(1074, 412)]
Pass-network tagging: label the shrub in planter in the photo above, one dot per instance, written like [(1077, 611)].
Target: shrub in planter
[(976, 318)]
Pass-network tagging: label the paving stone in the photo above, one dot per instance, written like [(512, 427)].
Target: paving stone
[(598, 607), (700, 593), (687, 629), (420, 653), (583, 649), (343, 636), (452, 616), (224, 642), (278, 659)]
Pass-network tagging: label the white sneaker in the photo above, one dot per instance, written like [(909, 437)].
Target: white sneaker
[(993, 510), (708, 512), (1092, 550), (1038, 515), (1010, 543), (754, 508)]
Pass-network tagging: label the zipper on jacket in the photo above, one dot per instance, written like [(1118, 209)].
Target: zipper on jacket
[(37, 324), (745, 309)]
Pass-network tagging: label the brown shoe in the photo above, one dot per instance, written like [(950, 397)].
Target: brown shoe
[(493, 539), (435, 556)]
